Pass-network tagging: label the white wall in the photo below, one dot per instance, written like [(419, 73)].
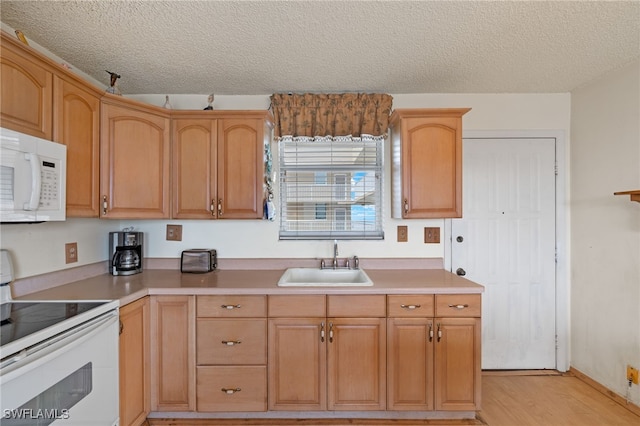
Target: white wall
[(39, 248), (605, 229), (260, 239)]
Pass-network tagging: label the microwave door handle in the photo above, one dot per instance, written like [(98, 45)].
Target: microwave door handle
[(36, 183)]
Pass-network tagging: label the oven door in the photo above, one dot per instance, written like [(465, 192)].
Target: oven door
[(71, 379)]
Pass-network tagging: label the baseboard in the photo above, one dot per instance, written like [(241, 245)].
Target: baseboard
[(605, 391)]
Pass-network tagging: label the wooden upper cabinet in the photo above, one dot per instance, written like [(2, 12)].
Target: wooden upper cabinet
[(134, 160), (194, 164), (76, 117), (427, 163), (26, 90), (218, 164), (241, 168)]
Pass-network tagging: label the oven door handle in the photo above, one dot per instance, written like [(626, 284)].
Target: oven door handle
[(15, 365)]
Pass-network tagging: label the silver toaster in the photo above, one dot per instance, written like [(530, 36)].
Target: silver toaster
[(198, 260)]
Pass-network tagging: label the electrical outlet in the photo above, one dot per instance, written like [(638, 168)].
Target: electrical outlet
[(403, 234), (432, 235), (70, 252), (174, 232), (632, 374)]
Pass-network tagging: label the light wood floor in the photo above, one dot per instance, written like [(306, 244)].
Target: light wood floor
[(508, 399)]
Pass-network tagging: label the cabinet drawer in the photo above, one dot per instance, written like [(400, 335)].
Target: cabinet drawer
[(297, 306), (356, 306), (231, 341), (231, 306), (458, 305), (410, 305), (231, 388)]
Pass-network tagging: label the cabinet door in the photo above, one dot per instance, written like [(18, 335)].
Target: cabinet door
[(134, 362), (356, 364), (297, 364), (432, 173), (240, 168), (134, 163), (410, 364), (173, 353), (194, 169), (427, 163), (76, 116), (26, 91), (457, 364)]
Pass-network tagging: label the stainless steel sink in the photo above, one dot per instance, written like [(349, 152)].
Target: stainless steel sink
[(316, 277)]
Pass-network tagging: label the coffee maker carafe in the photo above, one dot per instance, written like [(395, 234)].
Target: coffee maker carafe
[(125, 249)]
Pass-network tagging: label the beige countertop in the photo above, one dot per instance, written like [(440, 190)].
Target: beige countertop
[(172, 282)]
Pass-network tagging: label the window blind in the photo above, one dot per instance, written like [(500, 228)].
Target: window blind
[(331, 187)]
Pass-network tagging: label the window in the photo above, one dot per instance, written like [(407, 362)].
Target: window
[(331, 187)]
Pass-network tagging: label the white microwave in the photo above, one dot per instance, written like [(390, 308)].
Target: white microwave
[(33, 178)]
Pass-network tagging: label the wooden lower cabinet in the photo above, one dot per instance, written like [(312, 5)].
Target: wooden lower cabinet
[(410, 365), (297, 364), (231, 353), (434, 362), (134, 362), (457, 364), (173, 353), (326, 363), (357, 364), (252, 353)]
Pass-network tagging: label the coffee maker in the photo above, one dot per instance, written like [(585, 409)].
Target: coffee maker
[(125, 249)]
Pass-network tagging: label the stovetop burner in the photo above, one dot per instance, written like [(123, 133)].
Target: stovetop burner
[(21, 319)]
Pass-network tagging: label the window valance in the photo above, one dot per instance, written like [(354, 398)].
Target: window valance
[(330, 114)]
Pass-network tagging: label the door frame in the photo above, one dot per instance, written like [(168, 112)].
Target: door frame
[(563, 308)]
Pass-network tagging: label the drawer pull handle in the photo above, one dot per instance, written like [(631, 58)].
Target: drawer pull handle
[(231, 391), (459, 306), (231, 306), (330, 332), (430, 332), (439, 332), (231, 342), (410, 307), (322, 332)]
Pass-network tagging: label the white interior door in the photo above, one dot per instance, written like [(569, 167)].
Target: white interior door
[(506, 241)]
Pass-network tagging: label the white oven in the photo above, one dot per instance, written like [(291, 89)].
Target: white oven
[(65, 373)]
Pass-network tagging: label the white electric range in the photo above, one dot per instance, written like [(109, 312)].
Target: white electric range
[(59, 363)]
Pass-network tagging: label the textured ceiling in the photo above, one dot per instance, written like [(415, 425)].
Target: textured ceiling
[(264, 47)]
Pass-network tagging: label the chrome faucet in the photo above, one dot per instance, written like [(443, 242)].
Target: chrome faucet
[(335, 254)]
